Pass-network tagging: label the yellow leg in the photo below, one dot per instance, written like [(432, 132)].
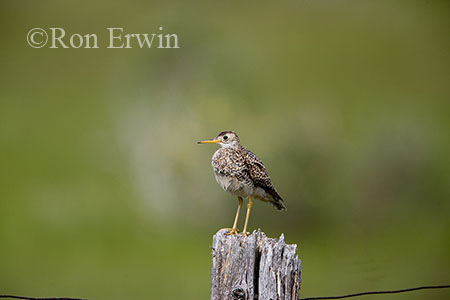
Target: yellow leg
[(249, 207), (234, 230)]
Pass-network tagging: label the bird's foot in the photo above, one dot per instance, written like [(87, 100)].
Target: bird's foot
[(231, 231)]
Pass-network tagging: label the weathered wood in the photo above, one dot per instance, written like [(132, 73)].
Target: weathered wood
[(254, 267)]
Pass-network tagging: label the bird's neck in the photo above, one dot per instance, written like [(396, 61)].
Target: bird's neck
[(231, 146)]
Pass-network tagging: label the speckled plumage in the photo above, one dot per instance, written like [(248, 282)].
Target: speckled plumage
[(242, 173)]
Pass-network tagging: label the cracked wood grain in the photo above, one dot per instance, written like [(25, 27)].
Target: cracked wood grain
[(254, 267)]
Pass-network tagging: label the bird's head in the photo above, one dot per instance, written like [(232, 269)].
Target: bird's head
[(224, 139)]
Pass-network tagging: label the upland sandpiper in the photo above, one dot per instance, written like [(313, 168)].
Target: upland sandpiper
[(241, 173)]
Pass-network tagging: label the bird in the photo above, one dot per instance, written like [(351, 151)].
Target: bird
[(241, 173)]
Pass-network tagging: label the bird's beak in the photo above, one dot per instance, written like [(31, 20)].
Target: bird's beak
[(208, 142)]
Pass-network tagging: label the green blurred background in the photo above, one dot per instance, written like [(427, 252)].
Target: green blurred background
[(106, 195)]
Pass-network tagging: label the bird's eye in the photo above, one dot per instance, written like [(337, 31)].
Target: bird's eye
[(225, 138)]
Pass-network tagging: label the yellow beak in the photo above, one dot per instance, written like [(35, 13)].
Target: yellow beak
[(208, 142)]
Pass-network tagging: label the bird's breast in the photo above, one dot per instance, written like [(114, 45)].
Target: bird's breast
[(231, 172), (234, 185)]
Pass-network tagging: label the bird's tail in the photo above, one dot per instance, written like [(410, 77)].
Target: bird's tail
[(278, 203)]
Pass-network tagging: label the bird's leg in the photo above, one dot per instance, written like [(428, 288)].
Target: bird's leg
[(241, 201), (249, 207), (234, 230)]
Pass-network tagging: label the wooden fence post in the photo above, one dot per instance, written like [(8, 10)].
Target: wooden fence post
[(254, 267)]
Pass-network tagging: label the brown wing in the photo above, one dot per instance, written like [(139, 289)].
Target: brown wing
[(261, 179)]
